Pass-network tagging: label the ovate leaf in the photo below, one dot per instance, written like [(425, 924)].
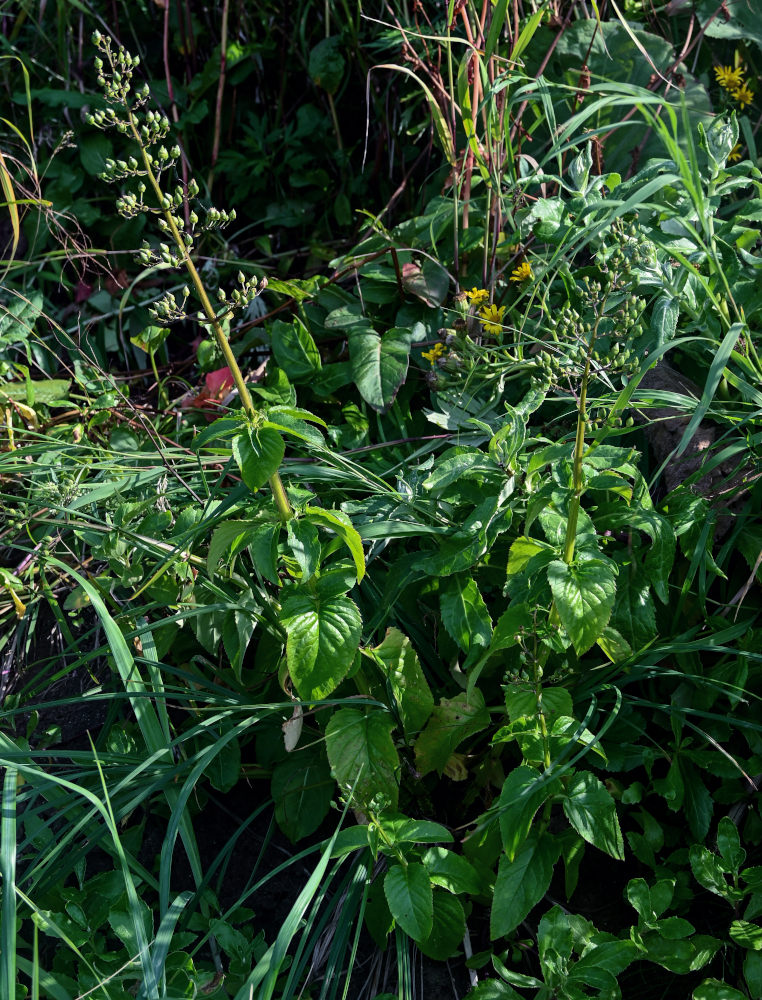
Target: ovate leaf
[(379, 364), (362, 754), (322, 637), (522, 794), (521, 884), (411, 690), (584, 595), (592, 812), (294, 349), (408, 893), (258, 454), (464, 613), (451, 722), (447, 930)]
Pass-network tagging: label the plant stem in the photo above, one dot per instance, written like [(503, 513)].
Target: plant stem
[(276, 484)]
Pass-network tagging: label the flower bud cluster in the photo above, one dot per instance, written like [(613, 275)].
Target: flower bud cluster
[(116, 80), (166, 308)]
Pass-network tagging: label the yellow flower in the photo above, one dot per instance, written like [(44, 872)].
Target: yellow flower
[(743, 94), (477, 296), (728, 77), (523, 272), (735, 153), (492, 318), (434, 354)]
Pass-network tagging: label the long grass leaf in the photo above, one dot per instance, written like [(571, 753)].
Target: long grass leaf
[(8, 872), (712, 381)]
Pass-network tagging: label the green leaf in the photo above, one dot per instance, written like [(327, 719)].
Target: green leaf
[(408, 893), (464, 613), (451, 722), (554, 943), (713, 989), (752, 970), (408, 683), (524, 549), (305, 546), (428, 281), (322, 638), (710, 871), (584, 594), (362, 754), (521, 884), (447, 930), (746, 934), (258, 454), (592, 812), (379, 364), (508, 627), (338, 522), (403, 830), (31, 392), (451, 871), (634, 615), (151, 338), (294, 349), (729, 845), (661, 555), (326, 64), (465, 463), (719, 361), (522, 794), (556, 701), (664, 316), (302, 788), (493, 989)]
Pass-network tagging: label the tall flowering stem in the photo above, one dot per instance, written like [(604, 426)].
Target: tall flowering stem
[(151, 130)]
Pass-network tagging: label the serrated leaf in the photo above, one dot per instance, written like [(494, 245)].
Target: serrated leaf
[(451, 469), (521, 884), (340, 524), (447, 929), (584, 595), (362, 754), (451, 871), (522, 550), (634, 615), (379, 364), (556, 701), (258, 454), (451, 722), (302, 788), (509, 440), (403, 830), (294, 349), (407, 680), (408, 893), (305, 546), (522, 794), (322, 638), (592, 812), (464, 613)]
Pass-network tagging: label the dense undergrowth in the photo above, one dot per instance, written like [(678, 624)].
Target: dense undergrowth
[(380, 552)]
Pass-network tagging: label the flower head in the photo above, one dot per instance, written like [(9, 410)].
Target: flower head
[(729, 77), (523, 272), (434, 354), (735, 153), (478, 296), (743, 94), (492, 318)]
